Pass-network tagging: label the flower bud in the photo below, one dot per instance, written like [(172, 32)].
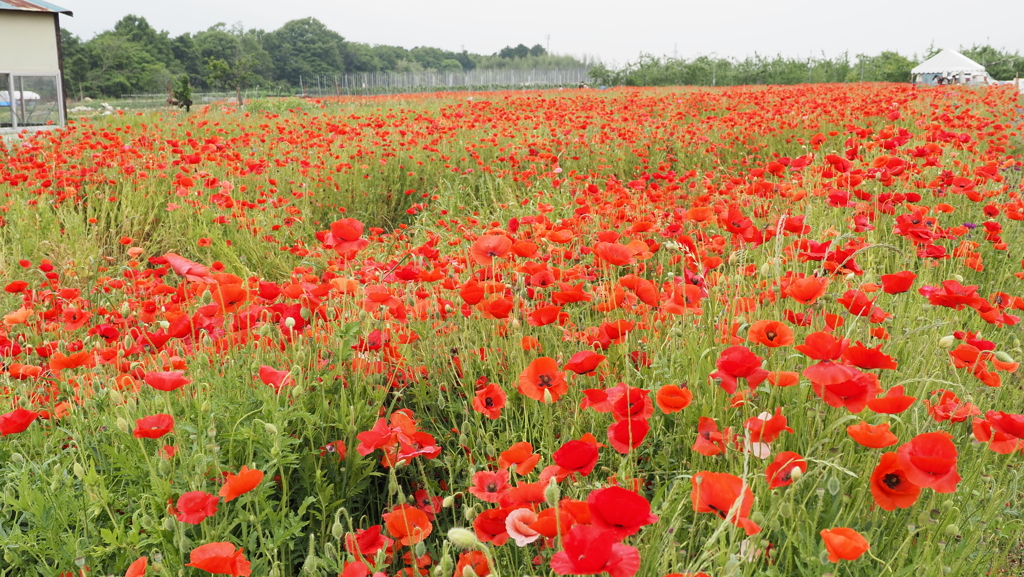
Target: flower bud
[(552, 493), (1005, 357), (168, 523), (79, 470), (18, 458), (447, 502), (123, 425), (270, 428), (463, 538), (337, 530), (115, 397), (947, 341)]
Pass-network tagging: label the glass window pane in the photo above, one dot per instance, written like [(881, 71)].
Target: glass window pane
[(6, 117), (35, 100)]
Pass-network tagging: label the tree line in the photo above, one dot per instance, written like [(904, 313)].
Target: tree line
[(134, 57), (887, 66)]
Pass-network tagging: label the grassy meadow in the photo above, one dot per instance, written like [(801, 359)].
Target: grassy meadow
[(754, 331)]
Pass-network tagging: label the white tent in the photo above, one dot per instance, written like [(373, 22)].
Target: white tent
[(950, 62), (951, 66)]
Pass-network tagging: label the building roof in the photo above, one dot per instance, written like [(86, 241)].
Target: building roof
[(33, 6), (947, 61)]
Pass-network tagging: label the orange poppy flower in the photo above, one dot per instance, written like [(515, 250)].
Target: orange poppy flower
[(220, 559), (522, 456), (783, 378), (407, 524), (488, 247), (872, 436), (137, 568), (718, 492), (672, 399), (236, 485), (770, 334), (844, 543), (807, 290), (542, 381)]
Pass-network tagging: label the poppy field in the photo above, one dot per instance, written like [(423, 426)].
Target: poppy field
[(754, 331)]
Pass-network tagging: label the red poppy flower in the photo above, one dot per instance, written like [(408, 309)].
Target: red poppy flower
[(949, 407), (672, 399), (590, 550), (489, 401), (584, 362), (738, 362), (898, 282), (844, 543), (767, 430), (407, 524), (167, 380), (823, 346), (780, 472), (872, 436), (710, 441), (624, 436), (489, 525), (614, 254), (490, 246), (929, 461), (220, 559), (718, 493), (237, 485), (868, 358), (542, 381), (367, 542), (892, 403), (576, 457), (890, 487), (275, 378), (628, 402), (153, 426), (194, 506), (1002, 431), (345, 237), (490, 486), (16, 421), (770, 334), (842, 385), (619, 510)]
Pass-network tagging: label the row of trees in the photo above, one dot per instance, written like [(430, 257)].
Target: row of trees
[(134, 57), (888, 66)]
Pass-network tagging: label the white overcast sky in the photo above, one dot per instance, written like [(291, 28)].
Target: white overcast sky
[(614, 31)]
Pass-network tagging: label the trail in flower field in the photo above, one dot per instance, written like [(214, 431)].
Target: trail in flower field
[(748, 331)]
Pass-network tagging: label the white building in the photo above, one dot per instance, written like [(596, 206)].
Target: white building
[(31, 67)]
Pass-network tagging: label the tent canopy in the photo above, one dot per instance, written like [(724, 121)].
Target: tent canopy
[(948, 61)]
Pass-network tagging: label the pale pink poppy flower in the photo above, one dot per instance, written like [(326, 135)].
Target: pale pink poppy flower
[(518, 526)]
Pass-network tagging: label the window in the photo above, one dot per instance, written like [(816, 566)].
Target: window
[(29, 100), (6, 116)]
